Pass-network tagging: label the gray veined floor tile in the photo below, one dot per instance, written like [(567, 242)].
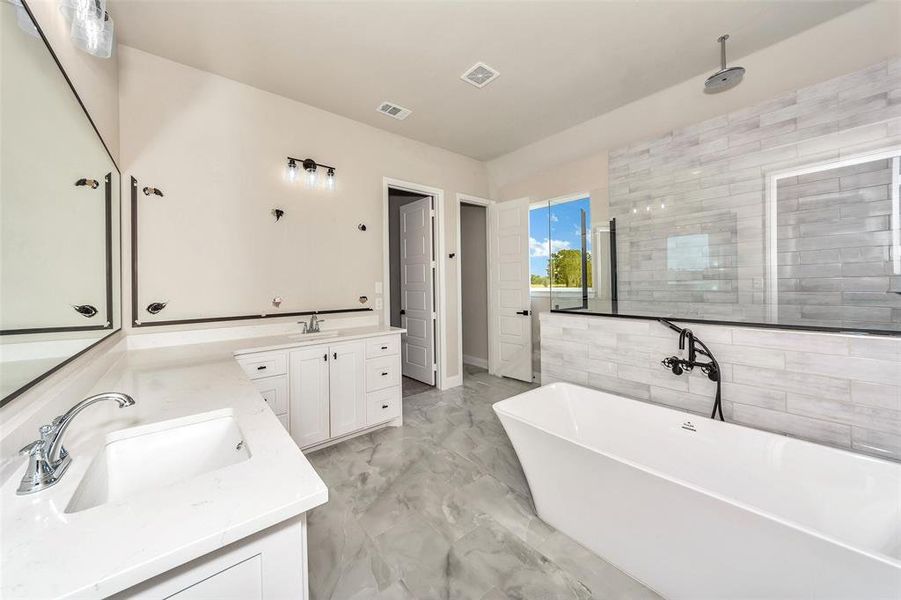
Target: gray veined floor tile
[(440, 508)]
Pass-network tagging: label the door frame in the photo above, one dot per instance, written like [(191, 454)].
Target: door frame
[(441, 380), (476, 201)]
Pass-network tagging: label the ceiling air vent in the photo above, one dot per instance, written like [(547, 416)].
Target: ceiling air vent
[(479, 75), (393, 110)]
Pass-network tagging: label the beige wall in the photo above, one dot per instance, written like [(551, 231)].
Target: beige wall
[(473, 254), (217, 149), (95, 79)]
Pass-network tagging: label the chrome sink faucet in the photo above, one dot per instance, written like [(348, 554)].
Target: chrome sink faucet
[(313, 325), (47, 458)]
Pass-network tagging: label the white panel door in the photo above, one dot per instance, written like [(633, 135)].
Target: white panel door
[(309, 378), (417, 285), (348, 401), (511, 321)]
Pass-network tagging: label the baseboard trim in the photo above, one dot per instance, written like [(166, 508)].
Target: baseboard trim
[(475, 361)]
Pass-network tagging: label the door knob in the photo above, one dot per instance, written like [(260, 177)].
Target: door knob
[(524, 313), (403, 312)]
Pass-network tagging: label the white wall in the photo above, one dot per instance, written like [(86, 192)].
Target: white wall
[(473, 256), (217, 149), (95, 79)]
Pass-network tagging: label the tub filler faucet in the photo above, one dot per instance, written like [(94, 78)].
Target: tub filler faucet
[(47, 458), (679, 364)]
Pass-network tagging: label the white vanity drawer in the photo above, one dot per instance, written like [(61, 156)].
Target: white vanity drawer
[(383, 405), (386, 346), (274, 391), (382, 373), (264, 365)]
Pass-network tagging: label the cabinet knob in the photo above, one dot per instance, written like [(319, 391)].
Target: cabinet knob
[(384, 373), (261, 368), (335, 355), (384, 406), (384, 347), (325, 356)]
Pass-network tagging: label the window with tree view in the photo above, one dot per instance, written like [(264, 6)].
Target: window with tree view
[(556, 232)]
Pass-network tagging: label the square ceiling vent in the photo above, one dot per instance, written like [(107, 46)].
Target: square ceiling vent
[(479, 75), (393, 110)]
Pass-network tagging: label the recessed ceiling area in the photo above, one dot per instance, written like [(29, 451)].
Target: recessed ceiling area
[(562, 62)]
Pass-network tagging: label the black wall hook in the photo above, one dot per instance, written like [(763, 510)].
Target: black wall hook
[(278, 214), (153, 191), (91, 183), (362, 226), (85, 310), (155, 307)]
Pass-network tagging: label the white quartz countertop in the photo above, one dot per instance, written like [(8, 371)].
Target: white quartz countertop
[(282, 342), (46, 552)]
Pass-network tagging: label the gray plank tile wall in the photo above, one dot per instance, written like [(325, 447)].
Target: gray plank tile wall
[(837, 389), (691, 214)]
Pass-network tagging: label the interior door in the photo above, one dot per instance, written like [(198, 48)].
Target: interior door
[(347, 401), (509, 305), (417, 290), (309, 380)]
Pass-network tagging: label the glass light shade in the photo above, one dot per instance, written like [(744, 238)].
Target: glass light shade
[(94, 34), (330, 181), (24, 21), (291, 172), (311, 178), (80, 9)]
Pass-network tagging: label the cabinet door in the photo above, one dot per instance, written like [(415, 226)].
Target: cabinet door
[(348, 403), (309, 378)]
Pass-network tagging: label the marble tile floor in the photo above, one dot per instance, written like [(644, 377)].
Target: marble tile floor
[(412, 387), (439, 508)]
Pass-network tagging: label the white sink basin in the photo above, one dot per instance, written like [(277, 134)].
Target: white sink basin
[(152, 456), (314, 336)]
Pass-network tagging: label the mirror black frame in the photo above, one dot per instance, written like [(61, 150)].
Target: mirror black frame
[(110, 298)]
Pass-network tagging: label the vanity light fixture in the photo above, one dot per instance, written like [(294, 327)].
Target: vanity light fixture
[(311, 168), (90, 26), (91, 183)]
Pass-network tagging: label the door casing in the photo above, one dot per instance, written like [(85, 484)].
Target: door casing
[(442, 360)]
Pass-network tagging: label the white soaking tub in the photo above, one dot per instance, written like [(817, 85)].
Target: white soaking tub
[(696, 508)]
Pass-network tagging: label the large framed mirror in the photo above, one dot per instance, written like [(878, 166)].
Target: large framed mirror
[(59, 214)]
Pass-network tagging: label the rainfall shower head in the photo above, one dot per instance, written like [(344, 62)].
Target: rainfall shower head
[(726, 77)]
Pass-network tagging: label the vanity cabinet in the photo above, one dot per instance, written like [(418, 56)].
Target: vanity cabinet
[(347, 404), (309, 369), (326, 391)]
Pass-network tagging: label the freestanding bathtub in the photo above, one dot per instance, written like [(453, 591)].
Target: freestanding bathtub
[(695, 508)]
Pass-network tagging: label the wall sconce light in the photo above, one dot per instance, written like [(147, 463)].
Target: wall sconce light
[(91, 183), (91, 27), (311, 168)]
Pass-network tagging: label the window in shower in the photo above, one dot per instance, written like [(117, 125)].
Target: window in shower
[(558, 230)]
